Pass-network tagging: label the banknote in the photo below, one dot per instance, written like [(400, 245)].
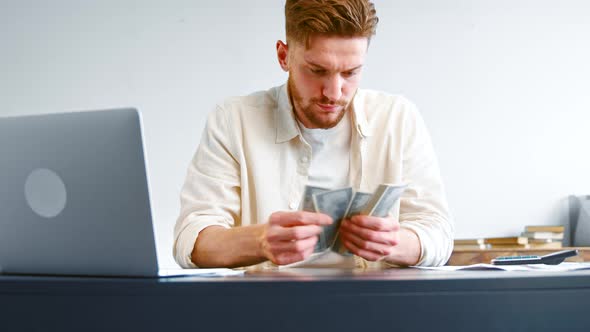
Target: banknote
[(345, 203), (357, 204), (333, 203), (306, 204), (307, 200), (383, 200)]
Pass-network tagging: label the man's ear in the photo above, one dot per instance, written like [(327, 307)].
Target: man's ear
[(283, 55)]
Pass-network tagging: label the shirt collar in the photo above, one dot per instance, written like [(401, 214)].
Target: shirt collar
[(286, 123), (359, 118)]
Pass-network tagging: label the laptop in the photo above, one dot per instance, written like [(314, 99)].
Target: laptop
[(74, 197)]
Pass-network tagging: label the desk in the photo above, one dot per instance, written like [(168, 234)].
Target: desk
[(472, 256), (302, 300)]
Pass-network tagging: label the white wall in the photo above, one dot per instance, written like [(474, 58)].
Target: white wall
[(503, 86)]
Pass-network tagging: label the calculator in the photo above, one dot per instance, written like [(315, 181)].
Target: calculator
[(549, 259)]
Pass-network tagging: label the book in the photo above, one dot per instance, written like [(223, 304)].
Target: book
[(510, 246), (550, 228), (459, 242), (507, 240), (546, 245), (481, 246), (538, 241), (543, 235)]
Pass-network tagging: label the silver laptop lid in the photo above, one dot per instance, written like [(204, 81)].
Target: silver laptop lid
[(74, 196)]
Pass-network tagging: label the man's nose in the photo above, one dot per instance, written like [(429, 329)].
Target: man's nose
[(333, 88)]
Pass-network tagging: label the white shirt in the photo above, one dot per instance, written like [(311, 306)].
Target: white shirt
[(330, 154), (252, 161)]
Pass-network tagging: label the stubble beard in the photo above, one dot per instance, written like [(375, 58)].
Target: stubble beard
[(313, 117)]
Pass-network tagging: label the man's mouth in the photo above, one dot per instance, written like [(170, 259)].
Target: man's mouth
[(329, 107)]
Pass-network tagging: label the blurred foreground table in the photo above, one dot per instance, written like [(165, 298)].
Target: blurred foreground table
[(302, 300)]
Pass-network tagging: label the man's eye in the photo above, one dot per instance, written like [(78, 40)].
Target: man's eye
[(318, 71), (349, 73)]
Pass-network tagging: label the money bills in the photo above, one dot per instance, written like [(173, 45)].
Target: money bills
[(307, 200), (357, 205), (383, 200), (345, 203), (307, 205), (333, 203)]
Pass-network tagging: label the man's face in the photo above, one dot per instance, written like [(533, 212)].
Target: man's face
[(324, 77)]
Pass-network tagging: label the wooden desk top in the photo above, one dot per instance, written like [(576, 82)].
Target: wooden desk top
[(473, 256)]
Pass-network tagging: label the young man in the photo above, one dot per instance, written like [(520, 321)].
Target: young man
[(243, 188)]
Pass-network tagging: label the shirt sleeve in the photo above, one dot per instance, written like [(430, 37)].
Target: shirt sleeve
[(210, 195), (423, 206)]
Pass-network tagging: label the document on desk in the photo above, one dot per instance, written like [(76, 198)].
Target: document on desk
[(563, 267), (217, 272)]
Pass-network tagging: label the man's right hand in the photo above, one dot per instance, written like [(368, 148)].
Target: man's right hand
[(289, 237)]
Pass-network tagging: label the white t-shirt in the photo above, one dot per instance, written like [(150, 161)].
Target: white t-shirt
[(330, 156)]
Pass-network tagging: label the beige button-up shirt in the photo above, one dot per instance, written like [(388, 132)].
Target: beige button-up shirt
[(252, 161)]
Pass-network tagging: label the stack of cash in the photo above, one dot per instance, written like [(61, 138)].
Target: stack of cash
[(343, 204)]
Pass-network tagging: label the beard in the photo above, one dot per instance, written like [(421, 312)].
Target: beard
[(306, 109)]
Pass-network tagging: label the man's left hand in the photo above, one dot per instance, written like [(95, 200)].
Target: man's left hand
[(372, 238)]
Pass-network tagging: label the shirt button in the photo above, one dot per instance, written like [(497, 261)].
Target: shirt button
[(292, 205)]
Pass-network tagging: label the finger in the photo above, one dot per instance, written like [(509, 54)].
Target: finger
[(373, 247), (388, 238), (299, 218), (376, 223), (293, 246), (368, 255), (291, 257), (278, 233)]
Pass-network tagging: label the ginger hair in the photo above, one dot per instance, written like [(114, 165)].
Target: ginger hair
[(348, 18)]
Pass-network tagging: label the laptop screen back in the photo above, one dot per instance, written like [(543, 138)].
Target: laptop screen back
[(74, 196)]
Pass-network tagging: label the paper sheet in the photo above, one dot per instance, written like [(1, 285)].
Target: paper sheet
[(199, 272), (565, 266)]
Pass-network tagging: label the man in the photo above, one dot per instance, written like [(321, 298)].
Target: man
[(243, 187)]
